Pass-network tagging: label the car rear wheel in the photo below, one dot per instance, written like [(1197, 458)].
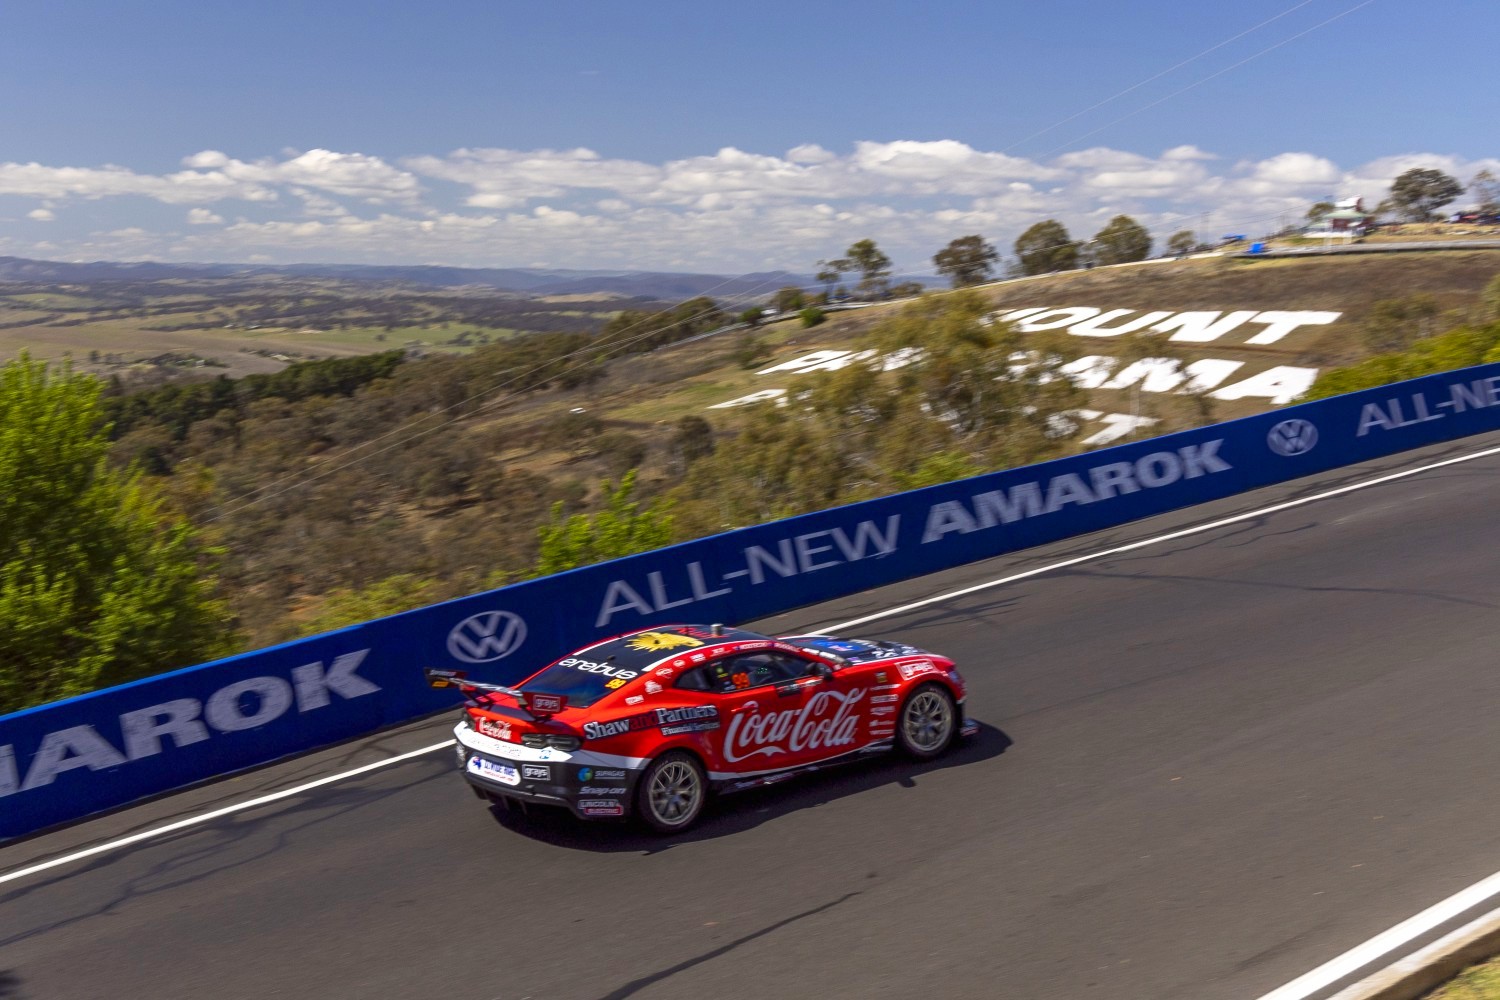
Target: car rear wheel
[(672, 792), (928, 720)]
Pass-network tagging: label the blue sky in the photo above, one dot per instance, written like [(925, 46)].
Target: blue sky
[(723, 137)]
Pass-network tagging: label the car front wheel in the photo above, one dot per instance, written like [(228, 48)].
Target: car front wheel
[(672, 792), (927, 723)]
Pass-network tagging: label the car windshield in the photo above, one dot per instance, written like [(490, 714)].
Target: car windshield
[(584, 681)]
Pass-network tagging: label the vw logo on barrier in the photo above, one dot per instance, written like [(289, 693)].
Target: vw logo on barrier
[(487, 636), (1293, 437)]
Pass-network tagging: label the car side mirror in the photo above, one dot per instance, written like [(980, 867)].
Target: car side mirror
[(821, 670)]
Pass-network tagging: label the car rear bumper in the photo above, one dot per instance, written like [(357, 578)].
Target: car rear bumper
[(576, 782)]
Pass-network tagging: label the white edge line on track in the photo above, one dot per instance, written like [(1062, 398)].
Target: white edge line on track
[(1299, 988), (181, 824), (1158, 539)]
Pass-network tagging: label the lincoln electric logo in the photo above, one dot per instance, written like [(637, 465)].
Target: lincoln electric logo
[(487, 636), (1293, 437)]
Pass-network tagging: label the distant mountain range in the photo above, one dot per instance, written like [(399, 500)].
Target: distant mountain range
[(659, 285)]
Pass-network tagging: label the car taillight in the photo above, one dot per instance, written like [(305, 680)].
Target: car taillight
[(555, 740)]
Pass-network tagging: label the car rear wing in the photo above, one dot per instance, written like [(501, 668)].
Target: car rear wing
[(535, 703)]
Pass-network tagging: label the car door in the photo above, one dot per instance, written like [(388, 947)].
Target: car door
[(781, 715)]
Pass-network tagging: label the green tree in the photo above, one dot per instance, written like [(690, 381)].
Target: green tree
[(1421, 191), (693, 439), (1394, 324), (1123, 241), (812, 316), (789, 299), (344, 606), (100, 582), (829, 273), (1046, 247), (1182, 242), (968, 260), (1317, 210), (622, 528), (751, 316), (1485, 188), (873, 266)]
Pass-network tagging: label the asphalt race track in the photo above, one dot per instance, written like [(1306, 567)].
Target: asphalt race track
[(1209, 766)]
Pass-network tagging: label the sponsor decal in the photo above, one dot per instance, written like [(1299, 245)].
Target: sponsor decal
[(653, 688), (1291, 438), (660, 640), (497, 729), (689, 714), (881, 699), (635, 699), (698, 657), (618, 682), (618, 727), (1417, 408), (244, 704), (486, 637), (585, 773), (547, 703), (805, 553), (590, 667), (536, 772), (503, 773), (588, 790), (695, 719), (666, 672), (881, 677), (883, 710), (689, 727), (600, 807), (916, 668), (600, 774), (828, 719), (1025, 500)]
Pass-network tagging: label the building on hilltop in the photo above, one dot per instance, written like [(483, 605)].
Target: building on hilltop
[(1348, 220)]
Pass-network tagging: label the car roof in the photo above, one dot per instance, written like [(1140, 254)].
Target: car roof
[(647, 647)]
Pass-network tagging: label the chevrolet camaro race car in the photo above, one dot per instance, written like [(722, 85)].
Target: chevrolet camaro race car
[(652, 722)]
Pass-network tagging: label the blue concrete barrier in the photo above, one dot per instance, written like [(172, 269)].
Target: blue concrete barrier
[(65, 760)]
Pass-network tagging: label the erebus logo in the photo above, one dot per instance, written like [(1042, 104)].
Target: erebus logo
[(487, 636), (1293, 437)]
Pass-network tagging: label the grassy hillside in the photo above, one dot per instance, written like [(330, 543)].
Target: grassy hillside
[(433, 481)]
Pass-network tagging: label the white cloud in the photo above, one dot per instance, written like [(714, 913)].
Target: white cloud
[(731, 209), (41, 214)]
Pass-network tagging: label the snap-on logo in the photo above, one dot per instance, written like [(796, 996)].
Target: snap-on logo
[(487, 636)]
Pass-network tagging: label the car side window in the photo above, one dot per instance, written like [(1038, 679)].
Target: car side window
[(694, 680), (752, 670)]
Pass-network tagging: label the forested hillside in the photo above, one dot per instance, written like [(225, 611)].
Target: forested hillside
[(341, 489)]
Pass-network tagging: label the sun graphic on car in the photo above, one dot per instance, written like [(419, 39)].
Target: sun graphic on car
[(660, 640)]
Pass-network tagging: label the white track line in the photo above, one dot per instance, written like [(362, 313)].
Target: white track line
[(1172, 536), (1386, 942), (330, 779), (285, 793)]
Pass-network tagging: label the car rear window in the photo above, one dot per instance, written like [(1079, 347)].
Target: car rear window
[(582, 680)]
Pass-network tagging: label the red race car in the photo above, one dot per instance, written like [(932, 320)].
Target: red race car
[(652, 722)]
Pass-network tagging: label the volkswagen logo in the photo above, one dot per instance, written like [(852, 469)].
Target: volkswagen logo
[(1293, 437), (487, 636)]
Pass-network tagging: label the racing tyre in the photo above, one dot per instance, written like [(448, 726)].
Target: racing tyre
[(672, 792), (927, 723)]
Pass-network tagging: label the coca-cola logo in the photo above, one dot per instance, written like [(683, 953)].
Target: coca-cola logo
[(828, 719), (495, 730)]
